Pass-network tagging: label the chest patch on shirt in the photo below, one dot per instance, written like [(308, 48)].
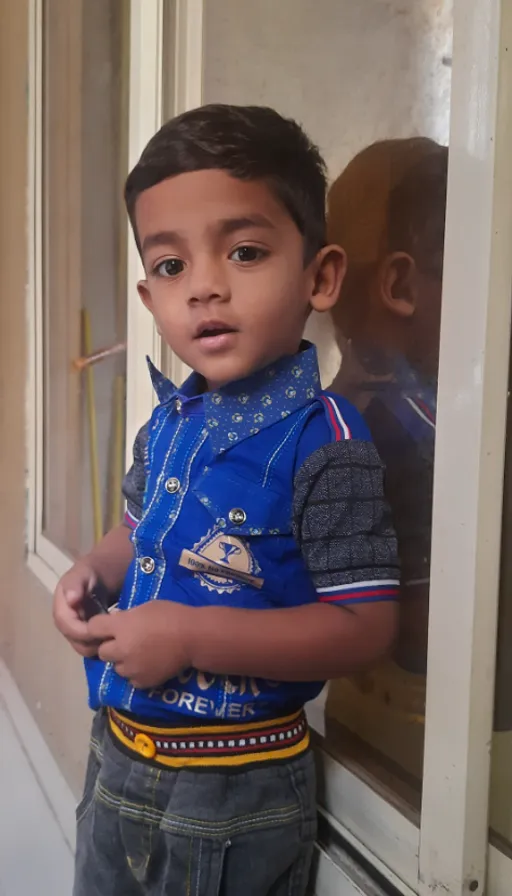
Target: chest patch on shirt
[(222, 563)]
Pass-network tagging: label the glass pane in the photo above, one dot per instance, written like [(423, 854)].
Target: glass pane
[(501, 778), (84, 289), (370, 82)]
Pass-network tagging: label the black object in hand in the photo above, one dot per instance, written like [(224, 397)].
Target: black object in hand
[(96, 601)]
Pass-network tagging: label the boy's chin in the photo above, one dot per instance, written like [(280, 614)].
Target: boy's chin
[(216, 379), (229, 371)]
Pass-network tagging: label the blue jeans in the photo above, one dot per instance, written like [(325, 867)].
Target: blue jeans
[(144, 830)]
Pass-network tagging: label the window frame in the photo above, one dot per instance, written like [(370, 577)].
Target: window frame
[(46, 560), (470, 443)]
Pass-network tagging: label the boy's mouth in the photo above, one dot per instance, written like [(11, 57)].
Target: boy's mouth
[(215, 335)]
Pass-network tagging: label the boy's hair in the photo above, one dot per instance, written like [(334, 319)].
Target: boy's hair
[(248, 143), (417, 212)]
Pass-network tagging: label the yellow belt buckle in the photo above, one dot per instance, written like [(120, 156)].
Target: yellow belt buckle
[(145, 746)]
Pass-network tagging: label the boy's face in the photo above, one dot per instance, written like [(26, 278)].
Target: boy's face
[(225, 275)]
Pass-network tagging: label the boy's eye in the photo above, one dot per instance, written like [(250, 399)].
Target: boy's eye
[(246, 254), (171, 267)]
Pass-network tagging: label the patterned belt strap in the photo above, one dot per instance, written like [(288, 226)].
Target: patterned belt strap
[(214, 745)]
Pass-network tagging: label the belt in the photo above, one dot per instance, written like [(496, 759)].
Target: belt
[(213, 745)]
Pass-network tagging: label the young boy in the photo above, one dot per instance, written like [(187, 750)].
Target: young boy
[(258, 559)]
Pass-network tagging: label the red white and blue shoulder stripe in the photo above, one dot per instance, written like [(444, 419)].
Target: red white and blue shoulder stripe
[(345, 422), (361, 592), (130, 520)]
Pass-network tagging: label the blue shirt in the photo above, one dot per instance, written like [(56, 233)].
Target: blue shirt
[(267, 493)]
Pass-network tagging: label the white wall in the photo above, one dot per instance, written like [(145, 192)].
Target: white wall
[(351, 72)]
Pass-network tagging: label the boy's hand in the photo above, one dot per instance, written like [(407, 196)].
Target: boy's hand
[(147, 645), (69, 594)]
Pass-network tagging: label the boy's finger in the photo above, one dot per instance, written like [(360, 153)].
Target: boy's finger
[(74, 593), (73, 629), (109, 652), (101, 627), (83, 649), (73, 596)]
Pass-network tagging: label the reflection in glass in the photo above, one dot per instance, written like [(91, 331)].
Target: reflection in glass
[(387, 209), (501, 769)]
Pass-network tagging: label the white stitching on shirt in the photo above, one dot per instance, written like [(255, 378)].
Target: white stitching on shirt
[(281, 445), (200, 440), (105, 678)]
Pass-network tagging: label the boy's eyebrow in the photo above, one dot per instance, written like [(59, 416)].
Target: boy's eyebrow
[(226, 226), (231, 225), (161, 238)]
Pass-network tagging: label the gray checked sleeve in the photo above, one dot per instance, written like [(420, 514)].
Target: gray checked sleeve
[(134, 483), (343, 524)]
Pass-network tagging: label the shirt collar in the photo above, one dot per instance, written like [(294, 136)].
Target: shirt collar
[(420, 390), (243, 408)]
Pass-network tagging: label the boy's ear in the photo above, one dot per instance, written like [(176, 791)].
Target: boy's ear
[(144, 293), (397, 284), (329, 269)]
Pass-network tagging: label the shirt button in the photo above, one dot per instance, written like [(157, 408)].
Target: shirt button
[(179, 405), (147, 564), (237, 516), (172, 485)]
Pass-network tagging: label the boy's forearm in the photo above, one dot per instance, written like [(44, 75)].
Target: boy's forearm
[(111, 557), (312, 642)]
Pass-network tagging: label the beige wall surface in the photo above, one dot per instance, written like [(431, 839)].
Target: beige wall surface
[(45, 669)]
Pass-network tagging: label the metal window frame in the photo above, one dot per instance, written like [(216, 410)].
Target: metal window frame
[(470, 441)]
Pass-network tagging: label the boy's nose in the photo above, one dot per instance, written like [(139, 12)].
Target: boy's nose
[(208, 283)]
